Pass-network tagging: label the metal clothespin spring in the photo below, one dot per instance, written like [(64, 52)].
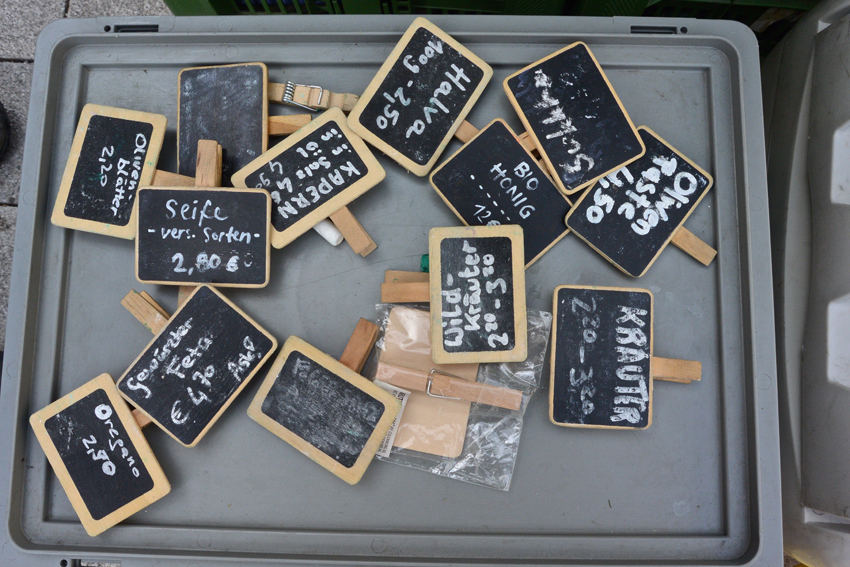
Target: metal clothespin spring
[(289, 94), (431, 380)]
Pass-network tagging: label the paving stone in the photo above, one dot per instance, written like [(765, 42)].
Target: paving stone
[(22, 21), (115, 8), (15, 80), (8, 217)]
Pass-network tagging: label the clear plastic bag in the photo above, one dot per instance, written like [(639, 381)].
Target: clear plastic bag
[(491, 439)]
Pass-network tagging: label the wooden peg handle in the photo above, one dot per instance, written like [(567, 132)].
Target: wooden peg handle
[(353, 232), (146, 310), (690, 244), (167, 179), (465, 132), (287, 124), (408, 292), (398, 276), (208, 164), (360, 345), (675, 370), (141, 419), (449, 387)]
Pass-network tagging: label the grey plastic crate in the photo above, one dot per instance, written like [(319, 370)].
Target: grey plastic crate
[(701, 486)]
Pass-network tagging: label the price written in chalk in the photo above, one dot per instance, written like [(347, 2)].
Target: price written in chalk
[(203, 236)]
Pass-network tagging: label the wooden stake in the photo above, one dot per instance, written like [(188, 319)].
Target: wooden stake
[(675, 370), (689, 243), (167, 179), (353, 232), (360, 345), (146, 310), (287, 124), (398, 276), (413, 292)]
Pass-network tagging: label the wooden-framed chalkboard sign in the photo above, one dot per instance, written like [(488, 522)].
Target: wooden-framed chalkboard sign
[(575, 118), (477, 284), (420, 96), (494, 180), (632, 214), (325, 410), (312, 174), (601, 366), (196, 236), (100, 455), (114, 152), (225, 103), (196, 365)]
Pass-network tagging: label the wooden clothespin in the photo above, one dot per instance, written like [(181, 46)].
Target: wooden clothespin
[(310, 97)]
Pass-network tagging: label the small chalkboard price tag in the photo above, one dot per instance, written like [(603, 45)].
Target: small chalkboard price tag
[(225, 103), (574, 117), (494, 180), (100, 455), (325, 410), (477, 284), (114, 152), (311, 174), (630, 215), (193, 369), (215, 236), (420, 96)]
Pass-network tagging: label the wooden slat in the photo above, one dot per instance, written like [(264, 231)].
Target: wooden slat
[(359, 345), (449, 387), (413, 292), (287, 124), (167, 179), (148, 312), (398, 276), (689, 243), (353, 232), (675, 370)]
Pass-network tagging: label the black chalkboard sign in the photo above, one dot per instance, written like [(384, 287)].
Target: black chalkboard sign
[(191, 371), (99, 454), (574, 117), (602, 357), (114, 152), (494, 180), (630, 215), (420, 96), (216, 236), (325, 410), (225, 103), (477, 282), (311, 174)]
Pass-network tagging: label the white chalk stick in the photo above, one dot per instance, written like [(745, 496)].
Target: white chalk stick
[(329, 232)]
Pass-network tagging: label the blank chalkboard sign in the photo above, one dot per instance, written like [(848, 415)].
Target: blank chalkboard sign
[(114, 152), (574, 117), (191, 371), (601, 358), (630, 215), (311, 174), (477, 283), (215, 236), (419, 97), (225, 103), (494, 180), (325, 410), (99, 454)]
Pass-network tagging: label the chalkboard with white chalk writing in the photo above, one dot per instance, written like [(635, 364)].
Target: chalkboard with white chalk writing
[(574, 117), (311, 174), (630, 216), (114, 152), (494, 180), (99, 454), (477, 282), (420, 96), (191, 371), (225, 103), (215, 236), (601, 358), (328, 412)]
